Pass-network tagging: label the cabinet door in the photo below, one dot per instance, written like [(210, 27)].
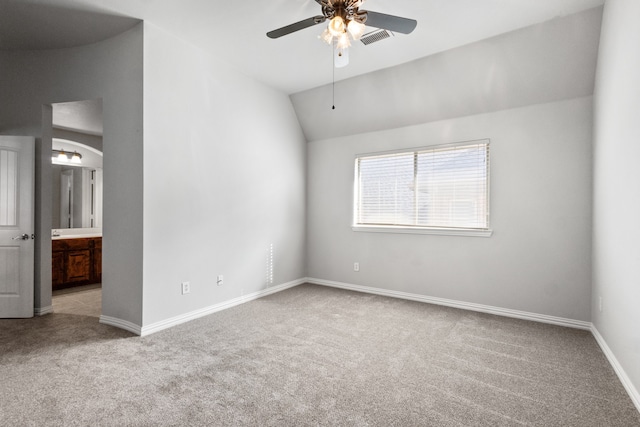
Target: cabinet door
[(57, 268), (78, 266)]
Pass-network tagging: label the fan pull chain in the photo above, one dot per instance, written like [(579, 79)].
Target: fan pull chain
[(333, 79)]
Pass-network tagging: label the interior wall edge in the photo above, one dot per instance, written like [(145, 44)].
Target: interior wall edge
[(41, 311), (616, 186), (633, 392), (121, 324)]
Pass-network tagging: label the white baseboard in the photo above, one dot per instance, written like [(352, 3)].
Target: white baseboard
[(542, 318), (168, 323), (119, 323), (41, 311), (624, 379)]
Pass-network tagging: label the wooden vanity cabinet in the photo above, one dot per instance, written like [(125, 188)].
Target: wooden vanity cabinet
[(76, 262)]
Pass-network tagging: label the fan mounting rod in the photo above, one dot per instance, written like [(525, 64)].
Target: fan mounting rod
[(346, 9)]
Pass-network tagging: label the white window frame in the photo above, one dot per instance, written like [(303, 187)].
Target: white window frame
[(407, 229)]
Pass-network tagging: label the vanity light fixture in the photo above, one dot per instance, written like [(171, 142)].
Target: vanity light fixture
[(76, 158), (66, 156)]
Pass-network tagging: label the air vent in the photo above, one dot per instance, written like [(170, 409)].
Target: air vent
[(375, 36)]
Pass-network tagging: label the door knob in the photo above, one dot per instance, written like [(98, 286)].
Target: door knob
[(21, 237)]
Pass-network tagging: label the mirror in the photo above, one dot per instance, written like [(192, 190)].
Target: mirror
[(76, 189), (77, 164)]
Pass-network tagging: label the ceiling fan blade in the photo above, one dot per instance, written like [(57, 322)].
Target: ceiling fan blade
[(390, 22), (309, 22)]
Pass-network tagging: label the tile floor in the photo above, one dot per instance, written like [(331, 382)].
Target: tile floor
[(80, 300)]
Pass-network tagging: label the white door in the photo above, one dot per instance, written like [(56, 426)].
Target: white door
[(16, 226)]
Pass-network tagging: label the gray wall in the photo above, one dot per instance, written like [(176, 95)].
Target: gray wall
[(616, 235), (538, 259), (111, 70), (224, 179)]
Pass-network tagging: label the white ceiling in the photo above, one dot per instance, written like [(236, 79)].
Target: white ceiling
[(235, 30), (33, 24)]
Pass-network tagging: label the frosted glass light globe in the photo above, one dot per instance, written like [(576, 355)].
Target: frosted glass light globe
[(336, 26), (356, 29)]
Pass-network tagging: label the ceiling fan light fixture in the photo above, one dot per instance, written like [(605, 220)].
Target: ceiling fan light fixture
[(356, 29), (337, 26), (346, 22), (343, 41), (326, 36)]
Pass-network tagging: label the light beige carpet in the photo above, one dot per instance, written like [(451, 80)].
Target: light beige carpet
[(309, 356)]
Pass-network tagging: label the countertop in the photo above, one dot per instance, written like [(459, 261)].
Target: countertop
[(76, 236)]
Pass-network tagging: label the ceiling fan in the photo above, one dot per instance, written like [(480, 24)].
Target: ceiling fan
[(346, 19)]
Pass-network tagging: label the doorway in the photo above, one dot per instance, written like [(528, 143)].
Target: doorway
[(76, 207)]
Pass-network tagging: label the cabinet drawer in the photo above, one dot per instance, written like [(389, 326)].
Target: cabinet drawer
[(58, 246), (71, 244), (78, 244)]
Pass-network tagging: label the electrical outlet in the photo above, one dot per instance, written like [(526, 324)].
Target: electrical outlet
[(356, 266), (220, 280), (186, 288)]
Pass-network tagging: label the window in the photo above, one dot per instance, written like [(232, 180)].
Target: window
[(440, 190)]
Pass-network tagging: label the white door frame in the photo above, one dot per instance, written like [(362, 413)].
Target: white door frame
[(66, 199)]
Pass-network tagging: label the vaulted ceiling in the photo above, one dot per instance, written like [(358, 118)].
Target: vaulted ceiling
[(235, 30)]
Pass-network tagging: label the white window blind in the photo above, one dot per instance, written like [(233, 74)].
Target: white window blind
[(437, 187)]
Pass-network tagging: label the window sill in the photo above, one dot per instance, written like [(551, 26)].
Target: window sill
[(469, 232)]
